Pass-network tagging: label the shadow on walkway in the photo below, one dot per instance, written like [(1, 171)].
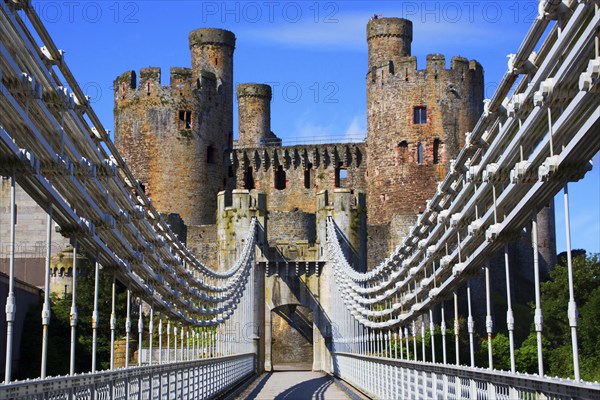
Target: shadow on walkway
[(295, 386)]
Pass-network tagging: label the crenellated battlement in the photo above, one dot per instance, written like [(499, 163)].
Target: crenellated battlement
[(320, 156), (406, 67), (181, 85)]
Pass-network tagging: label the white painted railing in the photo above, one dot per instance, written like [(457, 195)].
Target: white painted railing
[(200, 379), (385, 378)]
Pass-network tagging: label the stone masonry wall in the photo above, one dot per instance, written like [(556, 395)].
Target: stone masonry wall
[(30, 236), (202, 242), (305, 170)]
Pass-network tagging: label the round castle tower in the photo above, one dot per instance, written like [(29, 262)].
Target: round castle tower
[(254, 114), (417, 120), (174, 137), (389, 39)]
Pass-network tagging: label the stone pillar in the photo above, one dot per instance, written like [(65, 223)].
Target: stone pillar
[(348, 212), (235, 211), (268, 360)]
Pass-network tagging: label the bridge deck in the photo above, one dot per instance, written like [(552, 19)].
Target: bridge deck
[(291, 385)]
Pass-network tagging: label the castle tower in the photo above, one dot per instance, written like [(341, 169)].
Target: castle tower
[(389, 39), (254, 114), (212, 52), (417, 120), (174, 137)]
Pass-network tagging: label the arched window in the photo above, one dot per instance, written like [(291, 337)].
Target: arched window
[(280, 178), (420, 154), (436, 150)]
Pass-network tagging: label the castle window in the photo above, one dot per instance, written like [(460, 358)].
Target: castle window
[(307, 173), (391, 67), (420, 115), (341, 174), (436, 150), (249, 179), (148, 88), (185, 120), (403, 151), (280, 178), (211, 155), (420, 154)]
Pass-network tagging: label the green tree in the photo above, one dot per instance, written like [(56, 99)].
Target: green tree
[(555, 298), (59, 332)]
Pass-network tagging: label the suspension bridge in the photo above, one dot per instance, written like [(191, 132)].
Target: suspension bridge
[(537, 134)]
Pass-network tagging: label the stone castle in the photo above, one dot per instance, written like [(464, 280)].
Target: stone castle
[(179, 139)]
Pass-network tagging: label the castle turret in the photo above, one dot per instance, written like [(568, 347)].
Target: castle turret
[(417, 120), (389, 39), (254, 114), (212, 52)]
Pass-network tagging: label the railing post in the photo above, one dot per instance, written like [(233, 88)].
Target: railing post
[(168, 340), (456, 330), (488, 317), (95, 313), (414, 335), (113, 323), (423, 352), (572, 310), (160, 339), (140, 332), (443, 329), (46, 308), (127, 328), (73, 313), (537, 319), (151, 333), (175, 338), (470, 325), (510, 319), (432, 333), (10, 300)]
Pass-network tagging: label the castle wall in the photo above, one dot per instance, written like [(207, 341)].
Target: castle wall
[(305, 170), (202, 242), (292, 226), (30, 236)]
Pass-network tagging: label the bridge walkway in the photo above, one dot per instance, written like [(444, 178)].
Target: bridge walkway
[(293, 384)]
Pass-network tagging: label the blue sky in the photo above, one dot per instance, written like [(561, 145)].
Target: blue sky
[(314, 54)]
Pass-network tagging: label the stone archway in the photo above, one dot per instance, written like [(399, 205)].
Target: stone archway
[(292, 337)]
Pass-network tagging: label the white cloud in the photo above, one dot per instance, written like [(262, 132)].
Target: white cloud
[(348, 32)]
